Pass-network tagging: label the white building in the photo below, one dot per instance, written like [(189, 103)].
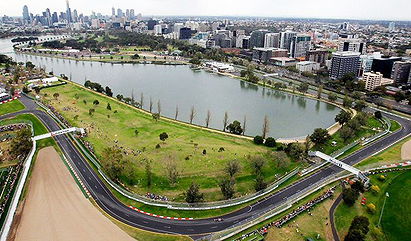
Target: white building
[(353, 45), (272, 40), (373, 80), (307, 66), (220, 67), (158, 29)]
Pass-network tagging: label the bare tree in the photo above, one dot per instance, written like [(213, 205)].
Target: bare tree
[(151, 105), (208, 118), (132, 97), (266, 126), (176, 115), (192, 114), (159, 107), (141, 100), (244, 124), (172, 173), (225, 120)]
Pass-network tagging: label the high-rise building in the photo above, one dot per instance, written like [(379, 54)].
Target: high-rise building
[(257, 38), (384, 65), (75, 16), (151, 23), (185, 33), (318, 56), (26, 14), (391, 27), (353, 45), (68, 12), (343, 63), (401, 71), (113, 11), (372, 80), (300, 45), (132, 14), (286, 39), (272, 40), (54, 18), (119, 13)]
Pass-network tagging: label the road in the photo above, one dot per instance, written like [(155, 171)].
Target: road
[(195, 228)]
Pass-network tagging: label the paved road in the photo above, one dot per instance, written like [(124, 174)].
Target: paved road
[(331, 215), (194, 228)]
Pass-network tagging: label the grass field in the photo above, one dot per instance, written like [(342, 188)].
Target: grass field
[(11, 107), (396, 219), (397, 180), (184, 147)]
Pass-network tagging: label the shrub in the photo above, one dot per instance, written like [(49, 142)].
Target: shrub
[(163, 136), (158, 146), (258, 140), (270, 142), (204, 152), (221, 149)]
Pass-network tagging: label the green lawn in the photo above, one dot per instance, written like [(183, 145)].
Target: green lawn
[(396, 219), (11, 107), (184, 147), (345, 214)]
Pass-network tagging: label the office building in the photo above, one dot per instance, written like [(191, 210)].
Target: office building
[(151, 23), (343, 63), (264, 55), (373, 80), (401, 72), (272, 40), (318, 56), (26, 14), (300, 45), (120, 13), (286, 38), (257, 38), (352, 45), (384, 65), (68, 13), (391, 27), (185, 33), (307, 66), (158, 29)]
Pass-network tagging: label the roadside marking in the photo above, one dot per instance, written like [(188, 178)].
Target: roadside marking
[(157, 216)]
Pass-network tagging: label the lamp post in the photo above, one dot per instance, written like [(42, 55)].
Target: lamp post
[(379, 220)]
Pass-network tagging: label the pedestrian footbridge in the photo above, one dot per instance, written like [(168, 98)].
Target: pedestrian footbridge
[(59, 132), (341, 164)]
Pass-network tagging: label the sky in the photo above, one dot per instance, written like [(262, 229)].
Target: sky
[(342, 9)]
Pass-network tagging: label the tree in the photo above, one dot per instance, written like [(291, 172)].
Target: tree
[(176, 114), (119, 97), (136, 132), (193, 194), (260, 184), (295, 150), (149, 173), (192, 114), (347, 102), (346, 133), (349, 196), (208, 118), (235, 128), (227, 187), (56, 96), (36, 89), (354, 124), (91, 111), (358, 187), (172, 173), (343, 117), (358, 229), (155, 116), (108, 106), (303, 87), (319, 91), (113, 162), (109, 92), (332, 97), (163, 136), (22, 143), (266, 126), (225, 121), (96, 102), (159, 107), (270, 142), (232, 168), (151, 105), (258, 140), (257, 164), (320, 136), (378, 114), (244, 124), (141, 100), (359, 105)]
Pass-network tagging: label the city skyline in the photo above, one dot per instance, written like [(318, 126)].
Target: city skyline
[(396, 10)]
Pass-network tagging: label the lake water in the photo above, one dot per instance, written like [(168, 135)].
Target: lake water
[(289, 115)]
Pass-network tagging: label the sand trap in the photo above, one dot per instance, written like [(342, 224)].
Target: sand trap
[(56, 209), (406, 151)]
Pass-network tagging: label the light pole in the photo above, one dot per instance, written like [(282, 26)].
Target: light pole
[(379, 220)]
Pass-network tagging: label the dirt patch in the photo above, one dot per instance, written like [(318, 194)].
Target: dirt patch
[(56, 209), (406, 151)]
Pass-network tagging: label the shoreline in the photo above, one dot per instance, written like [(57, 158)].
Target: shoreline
[(284, 140)]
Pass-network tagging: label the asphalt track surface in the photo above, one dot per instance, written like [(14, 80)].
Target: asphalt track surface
[(200, 227)]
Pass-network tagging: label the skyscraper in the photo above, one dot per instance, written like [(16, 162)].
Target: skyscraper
[(272, 40), (68, 12), (286, 39), (344, 63), (113, 11), (26, 15), (300, 45), (257, 38)]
